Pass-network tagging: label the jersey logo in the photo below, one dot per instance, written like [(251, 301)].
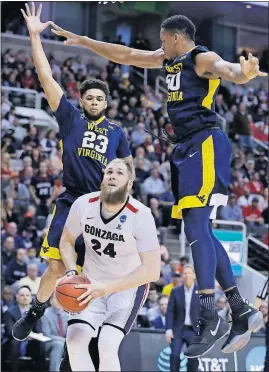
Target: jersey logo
[(201, 198), (123, 218), (92, 200), (118, 227), (131, 208), (45, 249), (110, 127)]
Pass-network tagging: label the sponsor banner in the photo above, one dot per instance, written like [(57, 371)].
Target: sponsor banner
[(147, 350)]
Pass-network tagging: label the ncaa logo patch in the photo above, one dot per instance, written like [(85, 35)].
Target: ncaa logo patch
[(123, 218)]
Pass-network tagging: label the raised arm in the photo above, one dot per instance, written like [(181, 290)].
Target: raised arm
[(210, 65), (51, 88), (117, 53)]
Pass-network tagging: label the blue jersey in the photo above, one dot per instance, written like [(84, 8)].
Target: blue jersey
[(88, 146), (191, 99)]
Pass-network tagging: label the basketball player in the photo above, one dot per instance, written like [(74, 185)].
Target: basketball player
[(89, 142), (122, 255), (199, 163)]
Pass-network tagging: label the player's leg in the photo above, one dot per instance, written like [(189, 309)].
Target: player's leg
[(195, 165), (82, 328), (78, 338), (50, 251), (246, 319), (108, 345)]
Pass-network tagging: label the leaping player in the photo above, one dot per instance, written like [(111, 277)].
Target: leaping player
[(89, 141), (199, 164), (122, 256)]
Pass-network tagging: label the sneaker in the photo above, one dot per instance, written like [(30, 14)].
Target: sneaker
[(24, 326), (208, 332), (243, 323)]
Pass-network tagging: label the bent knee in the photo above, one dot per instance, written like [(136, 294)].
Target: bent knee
[(56, 268)]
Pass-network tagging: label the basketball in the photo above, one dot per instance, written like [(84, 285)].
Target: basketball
[(67, 294)]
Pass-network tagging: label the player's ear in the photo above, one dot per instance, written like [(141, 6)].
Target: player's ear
[(80, 103), (130, 185), (105, 105)]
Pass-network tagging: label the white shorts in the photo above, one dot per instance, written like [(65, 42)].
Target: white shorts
[(118, 310)]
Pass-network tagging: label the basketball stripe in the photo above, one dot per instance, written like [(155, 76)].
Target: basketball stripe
[(140, 298)]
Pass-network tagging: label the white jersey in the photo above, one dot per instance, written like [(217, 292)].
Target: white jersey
[(112, 245)]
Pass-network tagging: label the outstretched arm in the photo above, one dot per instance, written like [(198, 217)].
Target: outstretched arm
[(212, 66), (51, 88), (117, 53)]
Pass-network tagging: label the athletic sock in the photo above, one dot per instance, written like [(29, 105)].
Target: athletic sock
[(235, 300), (38, 306), (208, 307)]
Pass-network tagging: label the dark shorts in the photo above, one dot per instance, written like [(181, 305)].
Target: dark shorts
[(51, 242), (200, 171)]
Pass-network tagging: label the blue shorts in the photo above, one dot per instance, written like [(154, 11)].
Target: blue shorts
[(200, 171), (51, 242)]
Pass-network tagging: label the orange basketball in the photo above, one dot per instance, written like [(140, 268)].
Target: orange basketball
[(67, 294)]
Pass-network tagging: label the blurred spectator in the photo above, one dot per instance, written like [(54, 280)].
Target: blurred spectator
[(16, 269), (166, 201), (223, 308), (54, 326), (8, 251), (11, 216), (140, 173), (164, 251), (221, 107), (7, 299), (32, 280), (32, 138), (153, 186), (250, 101), (253, 218), (13, 348), (232, 211), (173, 268), (140, 155), (49, 143), (175, 282), (139, 135), (264, 309), (6, 170), (42, 190), (18, 192), (12, 231), (255, 186), (31, 257), (242, 128), (159, 322), (181, 319)]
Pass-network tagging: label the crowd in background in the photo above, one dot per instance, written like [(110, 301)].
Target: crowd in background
[(31, 173)]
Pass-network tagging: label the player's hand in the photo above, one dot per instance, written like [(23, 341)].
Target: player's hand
[(94, 290), (169, 336), (71, 39), (250, 67), (32, 18)]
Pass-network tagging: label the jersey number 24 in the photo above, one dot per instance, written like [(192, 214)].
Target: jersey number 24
[(108, 250)]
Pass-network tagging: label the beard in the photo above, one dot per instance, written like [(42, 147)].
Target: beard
[(114, 197), (93, 117)]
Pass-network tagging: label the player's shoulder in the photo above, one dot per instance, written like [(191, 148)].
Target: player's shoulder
[(137, 207), (113, 126), (91, 197)]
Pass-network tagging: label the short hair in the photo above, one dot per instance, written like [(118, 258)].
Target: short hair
[(127, 163), (23, 286), (93, 84), (161, 297), (188, 266), (180, 23)]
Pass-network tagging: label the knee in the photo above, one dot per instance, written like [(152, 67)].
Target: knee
[(58, 345), (107, 342), (77, 338), (56, 268)]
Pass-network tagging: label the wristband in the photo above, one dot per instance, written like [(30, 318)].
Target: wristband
[(71, 272)]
